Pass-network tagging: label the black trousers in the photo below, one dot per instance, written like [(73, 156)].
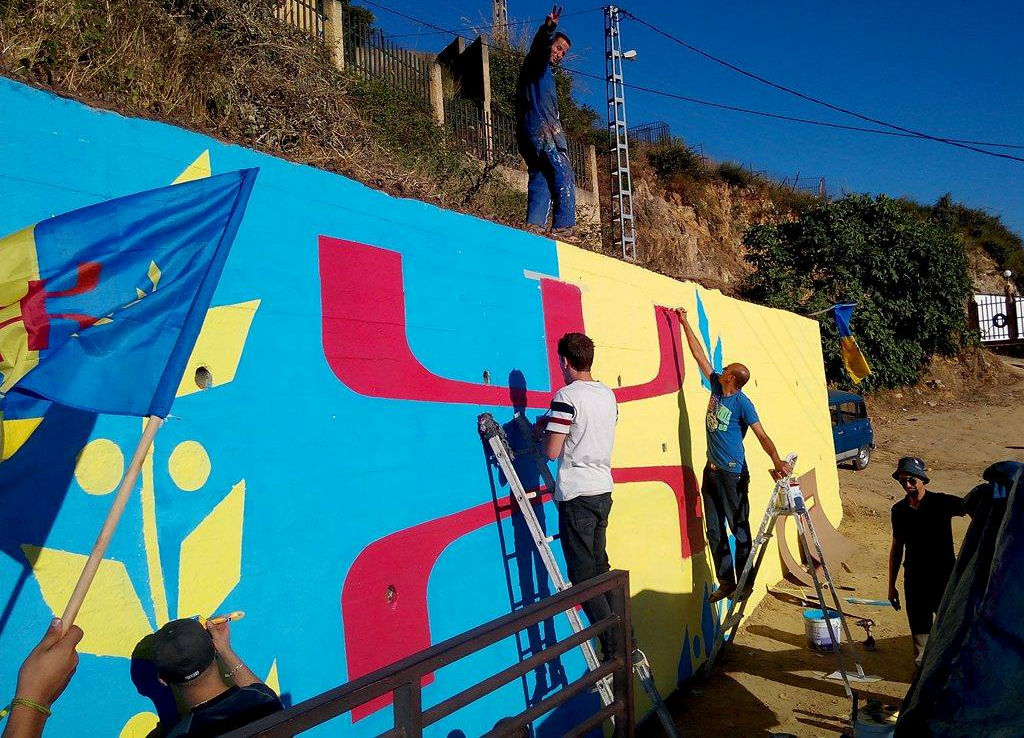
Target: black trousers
[(922, 595), (726, 500), (583, 527)]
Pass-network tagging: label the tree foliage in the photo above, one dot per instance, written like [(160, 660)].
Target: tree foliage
[(906, 272)]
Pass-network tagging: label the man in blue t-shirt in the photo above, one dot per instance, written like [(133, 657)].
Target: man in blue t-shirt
[(726, 477)]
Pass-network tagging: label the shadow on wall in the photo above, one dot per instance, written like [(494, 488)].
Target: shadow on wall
[(526, 578), (33, 485)]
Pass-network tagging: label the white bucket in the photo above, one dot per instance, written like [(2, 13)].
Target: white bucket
[(817, 629)]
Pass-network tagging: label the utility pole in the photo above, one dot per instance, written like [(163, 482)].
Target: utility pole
[(623, 227), (499, 19)]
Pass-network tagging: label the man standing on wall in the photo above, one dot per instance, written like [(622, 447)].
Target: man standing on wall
[(580, 433), (724, 489), (921, 525), (539, 133)]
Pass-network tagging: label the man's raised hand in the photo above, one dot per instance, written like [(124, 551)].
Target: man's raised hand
[(554, 15)]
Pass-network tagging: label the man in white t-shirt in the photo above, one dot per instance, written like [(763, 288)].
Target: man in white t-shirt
[(580, 433)]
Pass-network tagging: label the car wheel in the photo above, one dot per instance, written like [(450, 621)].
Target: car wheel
[(861, 460)]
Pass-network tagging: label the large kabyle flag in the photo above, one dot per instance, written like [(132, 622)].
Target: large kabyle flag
[(100, 307), (854, 361)]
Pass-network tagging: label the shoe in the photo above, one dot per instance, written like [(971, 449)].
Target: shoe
[(723, 591)]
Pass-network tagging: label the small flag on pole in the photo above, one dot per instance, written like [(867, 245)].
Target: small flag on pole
[(100, 307), (854, 361)]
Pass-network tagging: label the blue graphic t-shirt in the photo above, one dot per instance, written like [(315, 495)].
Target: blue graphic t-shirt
[(727, 422)]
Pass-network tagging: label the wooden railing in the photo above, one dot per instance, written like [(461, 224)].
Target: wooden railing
[(403, 680)]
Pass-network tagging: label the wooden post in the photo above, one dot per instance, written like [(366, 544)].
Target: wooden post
[(334, 32), (485, 101), (436, 93), (110, 524), (592, 169)]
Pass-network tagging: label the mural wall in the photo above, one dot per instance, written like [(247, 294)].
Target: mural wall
[(331, 482)]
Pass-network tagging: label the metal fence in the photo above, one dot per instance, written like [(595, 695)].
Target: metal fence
[(655, 134), (403, 680), (371, 53), (998, 318), (464, 122), (495, 140), (306, 15)]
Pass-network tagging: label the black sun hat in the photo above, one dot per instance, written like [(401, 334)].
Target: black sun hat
[(182, 650), (913, 466)]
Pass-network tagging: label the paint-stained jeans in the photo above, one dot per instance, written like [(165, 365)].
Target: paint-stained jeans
[(726, 501), (552, 186), (582, 527)]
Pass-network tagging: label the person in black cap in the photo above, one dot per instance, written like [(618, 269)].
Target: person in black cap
[(187, 657), (922, 528)]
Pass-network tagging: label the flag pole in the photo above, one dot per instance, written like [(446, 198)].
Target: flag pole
[(153, 424)]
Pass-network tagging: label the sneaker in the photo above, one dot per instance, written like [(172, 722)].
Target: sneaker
[(723, 591)]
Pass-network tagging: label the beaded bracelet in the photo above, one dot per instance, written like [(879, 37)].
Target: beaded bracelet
[(24, 703), (231, 673)]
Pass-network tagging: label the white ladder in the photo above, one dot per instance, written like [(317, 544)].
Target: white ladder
[(788, 499), (494, 437)]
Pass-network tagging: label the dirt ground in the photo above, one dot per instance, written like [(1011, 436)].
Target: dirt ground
[(768, 682)]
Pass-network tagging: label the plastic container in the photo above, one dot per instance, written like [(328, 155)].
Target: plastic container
[(868, 727), (817, 630)]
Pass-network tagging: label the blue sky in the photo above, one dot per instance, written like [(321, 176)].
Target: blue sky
[(947, 68)]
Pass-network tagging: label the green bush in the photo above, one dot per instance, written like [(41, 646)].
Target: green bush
[(734, 174), (906, 272), (676, 159)]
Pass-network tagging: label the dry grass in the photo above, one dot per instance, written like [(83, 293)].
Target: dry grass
[(233, 71)]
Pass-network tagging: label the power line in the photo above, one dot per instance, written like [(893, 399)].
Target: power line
[(810, 98), (898, 133), (527, 22)]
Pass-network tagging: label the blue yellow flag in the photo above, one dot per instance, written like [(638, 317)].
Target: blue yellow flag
[(854, 361), (100, 307)]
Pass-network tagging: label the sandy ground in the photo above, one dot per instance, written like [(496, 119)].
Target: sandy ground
[(768, 682)]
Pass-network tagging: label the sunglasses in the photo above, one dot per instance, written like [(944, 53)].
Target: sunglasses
[(905, 481)]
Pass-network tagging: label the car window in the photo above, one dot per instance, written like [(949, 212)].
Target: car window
[(834, 412), (848, 412)]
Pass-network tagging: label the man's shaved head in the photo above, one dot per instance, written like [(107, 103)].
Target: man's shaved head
[(739, 372)]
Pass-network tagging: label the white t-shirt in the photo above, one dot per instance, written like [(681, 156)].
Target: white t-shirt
[(587, 412)]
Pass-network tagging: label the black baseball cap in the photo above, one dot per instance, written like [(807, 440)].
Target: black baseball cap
[(182, 650), (912, 466)]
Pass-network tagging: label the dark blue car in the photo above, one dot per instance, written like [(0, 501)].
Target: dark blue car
[(851, 429)]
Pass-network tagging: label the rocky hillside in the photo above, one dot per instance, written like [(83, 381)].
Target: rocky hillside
[(231, 70)]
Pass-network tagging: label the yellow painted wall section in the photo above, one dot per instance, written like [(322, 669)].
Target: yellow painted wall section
[(783, 352), (111, 616), (211, 557)]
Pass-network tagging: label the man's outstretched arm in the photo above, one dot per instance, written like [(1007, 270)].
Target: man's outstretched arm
[(540, 49), (699, 355), (782, 469)]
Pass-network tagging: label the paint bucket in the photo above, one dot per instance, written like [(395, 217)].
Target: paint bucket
[(875, 726), (817, 629)]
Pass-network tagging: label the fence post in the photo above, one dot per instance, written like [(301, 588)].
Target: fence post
[(592, 169), (409, 709), (622, 679), (334, 31), (973, 318), (436, 93), (485, 77), (1011, 314)]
